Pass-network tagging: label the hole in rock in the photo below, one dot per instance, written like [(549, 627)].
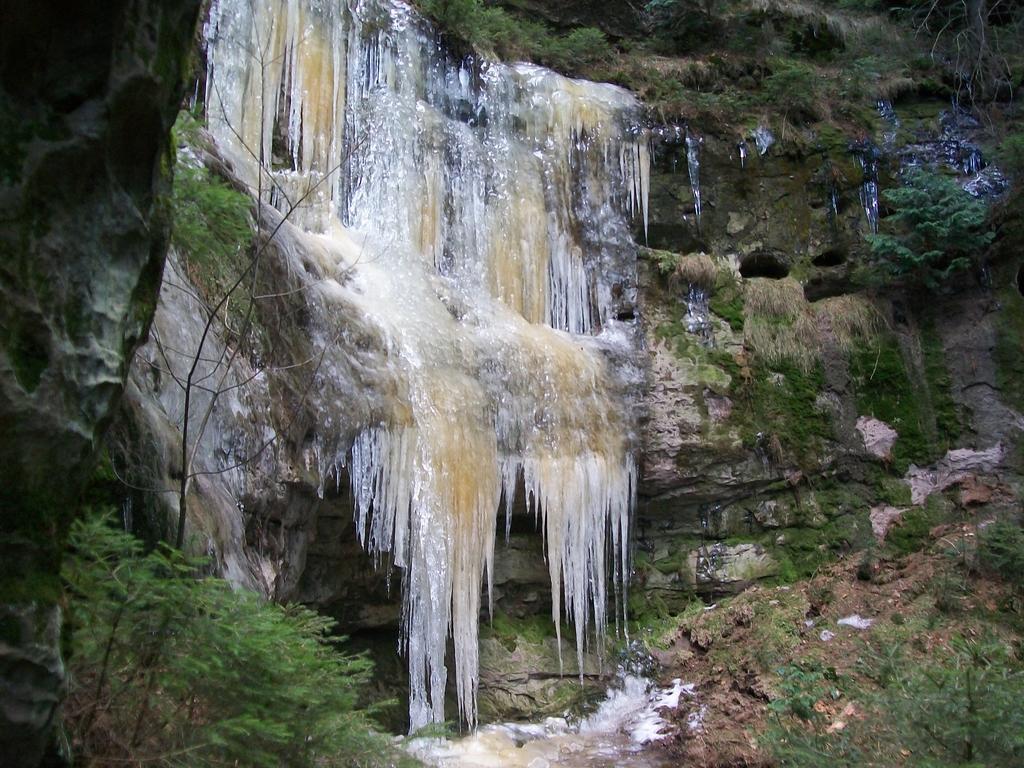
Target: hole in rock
[(764, 264), (833, 257), (817, 289)]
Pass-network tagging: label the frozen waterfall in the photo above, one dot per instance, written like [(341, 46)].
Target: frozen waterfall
[(477, 216)]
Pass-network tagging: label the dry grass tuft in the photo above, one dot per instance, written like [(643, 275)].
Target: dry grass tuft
[(779, 324), (779, 299), (797, 342), (894, 87), (698, 270), (850, 319), (839, 24)]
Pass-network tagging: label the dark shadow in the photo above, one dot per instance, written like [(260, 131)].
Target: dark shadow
[(764, 264)]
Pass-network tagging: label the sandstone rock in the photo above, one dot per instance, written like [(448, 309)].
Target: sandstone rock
[(975, 491), (723, 568), (719, 407), (883, 518), (878, 437), (737, 222), (529, 681), (951, 469)]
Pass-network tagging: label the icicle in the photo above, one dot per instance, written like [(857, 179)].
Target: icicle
[(764, 139), (888, 114), (693, 145), (867, 155)]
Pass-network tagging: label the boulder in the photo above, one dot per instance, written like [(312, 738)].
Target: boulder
[(878, 437)]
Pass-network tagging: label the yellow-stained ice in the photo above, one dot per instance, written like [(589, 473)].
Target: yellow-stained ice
[(463, 214)]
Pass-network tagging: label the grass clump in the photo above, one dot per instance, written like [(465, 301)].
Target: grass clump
[(852, 319), (798, 86), (175, 669), (1001, 551)]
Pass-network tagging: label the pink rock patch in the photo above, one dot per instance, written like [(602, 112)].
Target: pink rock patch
[(882, 519), (878, 437)]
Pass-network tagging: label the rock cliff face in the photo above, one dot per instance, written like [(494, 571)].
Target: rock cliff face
[(785, 401), (88, 92)]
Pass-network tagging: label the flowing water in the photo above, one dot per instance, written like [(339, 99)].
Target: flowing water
[(472, 219), (868, 155), (619, 734)]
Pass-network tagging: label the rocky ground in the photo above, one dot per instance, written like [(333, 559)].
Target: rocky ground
[(743, 653)]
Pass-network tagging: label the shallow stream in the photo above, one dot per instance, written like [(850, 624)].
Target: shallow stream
[(623, 732)]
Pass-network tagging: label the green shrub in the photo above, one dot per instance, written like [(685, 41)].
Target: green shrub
[(961, 708), (935, 231), (800, 687), (797, 86), (683, 25), (585, 45), (1001, 550), (173, 669), (913, 532), (1011, 155), (496, 31)]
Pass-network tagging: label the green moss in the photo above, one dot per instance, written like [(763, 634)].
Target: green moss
[(780, 400), (1009, 349), (804, 550), (711, 367), (727, 300), (665, 261), (510, 631), (885, 391), (913, 532), (673, 564), (894, 491), (660, 587), (212, 227), (948, 418)]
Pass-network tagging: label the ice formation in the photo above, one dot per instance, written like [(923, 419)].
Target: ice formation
[(466, 210)]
